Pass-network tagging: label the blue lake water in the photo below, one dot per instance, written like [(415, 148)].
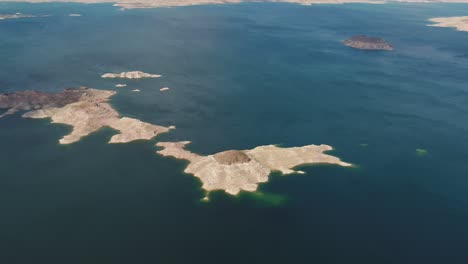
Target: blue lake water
[(240, 76)]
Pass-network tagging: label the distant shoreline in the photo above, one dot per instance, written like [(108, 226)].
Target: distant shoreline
[(133, 4)]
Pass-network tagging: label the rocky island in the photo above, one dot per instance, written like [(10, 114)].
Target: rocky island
[(86, 110), (459, 23), (131, 75), (367, 43), (236, 170)]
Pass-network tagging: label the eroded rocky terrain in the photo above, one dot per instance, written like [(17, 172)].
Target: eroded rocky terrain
[(86, 110), (242, 170)]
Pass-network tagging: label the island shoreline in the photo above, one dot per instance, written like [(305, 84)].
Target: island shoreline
[(141, 4)]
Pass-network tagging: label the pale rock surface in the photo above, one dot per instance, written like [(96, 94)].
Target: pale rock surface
[(459, 23), (236, 170), (131, 75), (85, 110)]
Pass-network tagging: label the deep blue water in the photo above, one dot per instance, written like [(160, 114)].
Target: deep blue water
[(241, 76)]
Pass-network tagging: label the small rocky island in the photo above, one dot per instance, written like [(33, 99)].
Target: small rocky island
[(131, 75), (86, 110), (14, 16), (367, 43), (236, 170)]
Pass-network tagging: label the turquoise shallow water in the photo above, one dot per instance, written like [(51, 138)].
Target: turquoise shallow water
[(241, 76)]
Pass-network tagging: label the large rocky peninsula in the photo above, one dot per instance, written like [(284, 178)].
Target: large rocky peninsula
[(129, 4), (367, 43), (236, 170), (86, 110), (459, 23), (131, 75)]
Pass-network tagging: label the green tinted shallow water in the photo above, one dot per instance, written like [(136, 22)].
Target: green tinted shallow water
[(240, 76)]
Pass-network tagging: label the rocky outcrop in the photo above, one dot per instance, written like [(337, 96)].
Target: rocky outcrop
[(230, 157), (131, 75), (459, 23), (236, 170), (86, 110), (173, 3), (367, 43)]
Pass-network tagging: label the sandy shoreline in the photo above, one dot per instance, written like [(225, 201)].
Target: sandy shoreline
[(459, 23), (243, 170)]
